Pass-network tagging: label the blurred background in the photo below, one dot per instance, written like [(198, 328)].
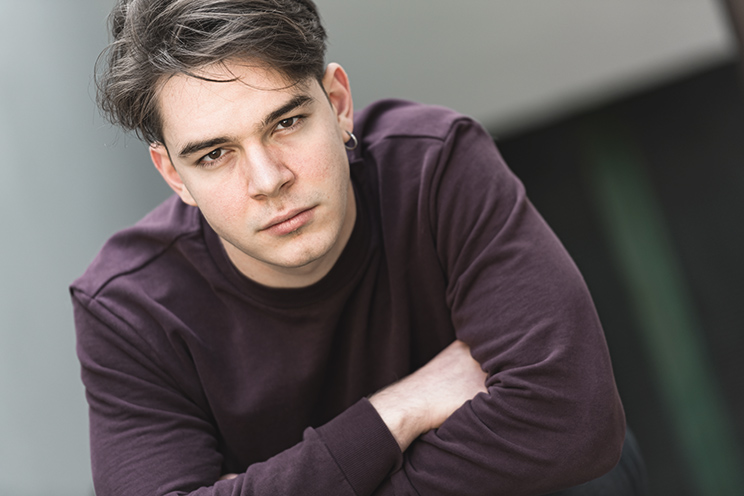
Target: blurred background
[(624, 118)]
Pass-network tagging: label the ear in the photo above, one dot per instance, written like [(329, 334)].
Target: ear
[(336, 85), (162, 162)]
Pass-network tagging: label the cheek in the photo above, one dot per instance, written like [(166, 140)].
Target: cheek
[(320, 173), (331, 165), (219, 202), (328, 156)]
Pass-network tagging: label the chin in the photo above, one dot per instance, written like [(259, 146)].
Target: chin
[(305, 253)]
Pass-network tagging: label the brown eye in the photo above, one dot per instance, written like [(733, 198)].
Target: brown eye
[(287, 123), (214, 155)]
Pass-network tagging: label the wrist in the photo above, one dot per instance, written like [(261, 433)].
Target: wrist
[(404, 417)]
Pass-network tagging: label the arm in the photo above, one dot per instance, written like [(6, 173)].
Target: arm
[(552, 417), (426, 398), (151, 434), (423, 400)]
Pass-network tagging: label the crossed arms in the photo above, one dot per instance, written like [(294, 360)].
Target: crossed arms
[(547, 416)]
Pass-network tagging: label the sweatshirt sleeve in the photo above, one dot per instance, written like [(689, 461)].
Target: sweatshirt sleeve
[(552, 417), (149, 436)]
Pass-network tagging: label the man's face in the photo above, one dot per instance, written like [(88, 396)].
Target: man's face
[(265, 163)]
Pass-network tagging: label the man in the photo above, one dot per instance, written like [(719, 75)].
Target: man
[(329, 304)]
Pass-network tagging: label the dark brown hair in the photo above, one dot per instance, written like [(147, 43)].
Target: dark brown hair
[(155, 39)]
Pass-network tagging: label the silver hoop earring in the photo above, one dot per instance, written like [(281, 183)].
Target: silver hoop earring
[(352, 138)]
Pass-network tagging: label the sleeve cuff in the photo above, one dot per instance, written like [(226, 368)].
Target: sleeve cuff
[(362, 446)]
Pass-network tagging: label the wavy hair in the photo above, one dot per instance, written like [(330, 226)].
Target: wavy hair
[(156, 39)]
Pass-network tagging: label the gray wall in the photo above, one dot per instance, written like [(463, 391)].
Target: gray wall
[(69, 181), (512, 62)]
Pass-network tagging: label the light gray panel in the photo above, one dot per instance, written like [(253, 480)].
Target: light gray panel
[(514, 62), (68, 182)]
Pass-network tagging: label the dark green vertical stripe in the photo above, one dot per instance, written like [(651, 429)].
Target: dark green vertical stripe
[(645, 255)]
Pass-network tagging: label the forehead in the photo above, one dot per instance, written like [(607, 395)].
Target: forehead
[(222, 99)]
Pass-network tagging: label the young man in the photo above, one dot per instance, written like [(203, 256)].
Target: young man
[(329, 304)]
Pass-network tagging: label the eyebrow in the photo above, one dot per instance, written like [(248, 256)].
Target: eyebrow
[(195, 146), (296, 102)]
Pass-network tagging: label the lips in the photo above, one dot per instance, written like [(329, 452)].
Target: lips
[(289, 222)]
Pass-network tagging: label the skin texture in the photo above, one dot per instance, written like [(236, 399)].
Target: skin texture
[(259, 169)]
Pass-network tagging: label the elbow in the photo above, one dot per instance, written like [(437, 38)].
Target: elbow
[(605, 456), (611, 434), (601, 441)]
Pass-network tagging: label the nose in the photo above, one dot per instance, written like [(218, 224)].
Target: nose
[(266, 174)]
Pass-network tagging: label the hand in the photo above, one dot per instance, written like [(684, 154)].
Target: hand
[(426, 398)]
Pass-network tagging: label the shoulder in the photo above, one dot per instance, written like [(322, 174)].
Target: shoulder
[(407, 140), (134, 248), (392, 118)]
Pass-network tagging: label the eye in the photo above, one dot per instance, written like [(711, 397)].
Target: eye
[(212, 157), (288, 123), (214, 154)]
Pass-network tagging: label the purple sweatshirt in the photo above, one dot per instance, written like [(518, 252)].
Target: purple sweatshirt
[(193, 371)]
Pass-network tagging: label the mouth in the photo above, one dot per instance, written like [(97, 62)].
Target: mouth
[(289, 222)]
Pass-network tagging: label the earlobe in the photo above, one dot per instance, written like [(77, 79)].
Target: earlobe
[(161, 161), (336, 85)]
